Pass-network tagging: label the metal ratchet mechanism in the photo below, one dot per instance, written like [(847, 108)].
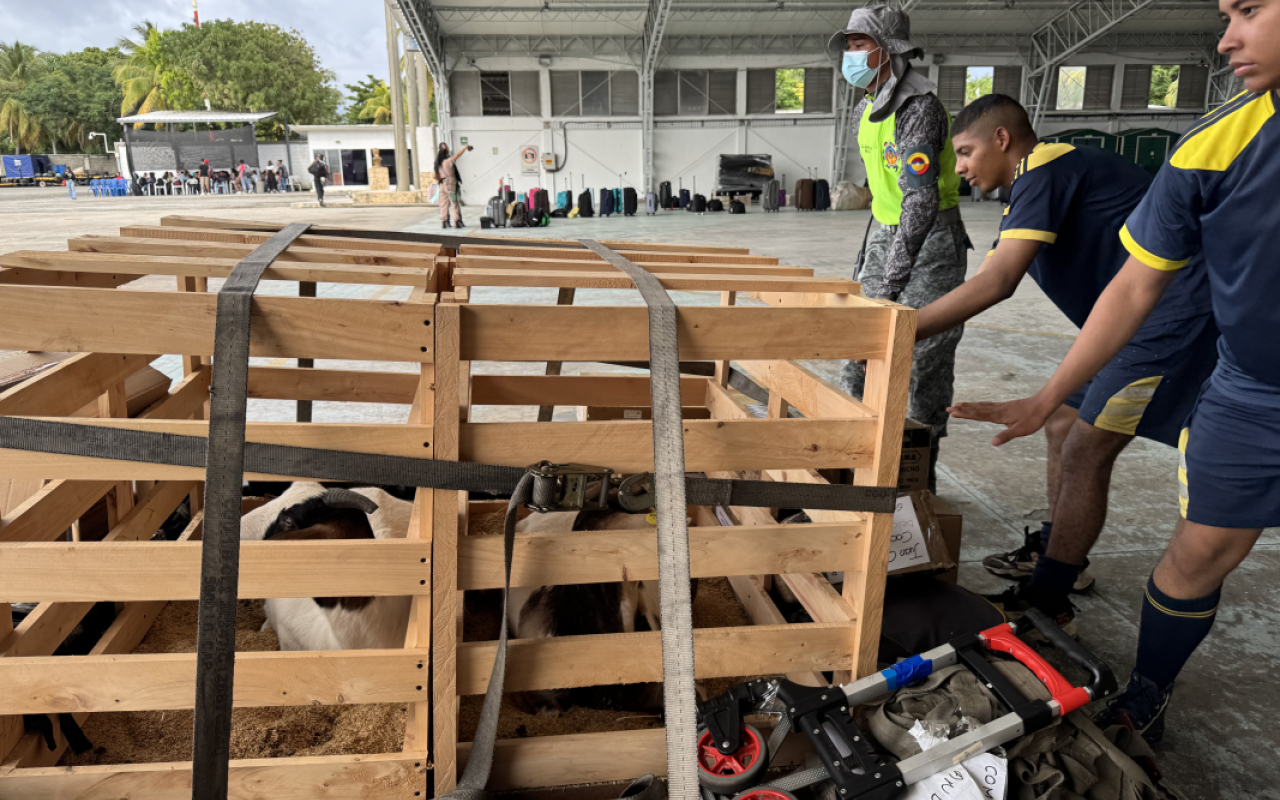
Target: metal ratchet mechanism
[(822, 713), (563, 487)]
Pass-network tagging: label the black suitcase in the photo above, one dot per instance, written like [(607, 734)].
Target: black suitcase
[(606, 202), (699, 204), (821, 195), (630, 203), (684, 198), (510, 195), (665, 198), (714, 204), (584, 204)]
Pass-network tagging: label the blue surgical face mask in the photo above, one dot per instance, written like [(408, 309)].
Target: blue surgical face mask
[(855, 70)]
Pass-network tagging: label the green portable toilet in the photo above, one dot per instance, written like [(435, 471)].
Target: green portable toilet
[(1086, 137), (1148, 147)]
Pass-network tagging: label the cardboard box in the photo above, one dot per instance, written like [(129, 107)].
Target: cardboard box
[(913, 467), (917, 543), (952, 524)]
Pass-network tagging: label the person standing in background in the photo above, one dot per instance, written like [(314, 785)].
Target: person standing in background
[(917, 254), (447, 174), (71, 182), (204, 177), (283, 173), (272, 185), (242, 170), (320, 173)]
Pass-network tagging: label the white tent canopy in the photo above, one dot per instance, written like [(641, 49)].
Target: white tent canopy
[(189, 117)]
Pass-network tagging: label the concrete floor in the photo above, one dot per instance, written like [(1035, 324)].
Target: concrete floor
[(1219, 743)]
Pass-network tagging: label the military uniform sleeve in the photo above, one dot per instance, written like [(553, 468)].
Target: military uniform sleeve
[(1163, 232), (921, 133)]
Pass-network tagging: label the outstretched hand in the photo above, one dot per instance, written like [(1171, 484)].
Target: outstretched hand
[(1020, 417)]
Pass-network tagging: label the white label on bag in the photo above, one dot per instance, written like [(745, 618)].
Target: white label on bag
[(907, 547), (981, 777)]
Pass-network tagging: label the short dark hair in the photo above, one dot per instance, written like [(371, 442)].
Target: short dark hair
[(995, 111)]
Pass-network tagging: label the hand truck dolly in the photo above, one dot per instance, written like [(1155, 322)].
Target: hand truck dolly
[(733, 756)]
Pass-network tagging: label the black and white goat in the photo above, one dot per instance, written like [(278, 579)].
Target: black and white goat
[(311, 511)]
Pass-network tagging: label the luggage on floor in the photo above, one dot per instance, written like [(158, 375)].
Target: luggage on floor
[(684, 198), (804, 194), (821, 195), (519, 215), (617, 201), (564, 200), (560, 213), (715, 204), (606, 203), (510, 195), (737, 207), (585, 208), (651, 204), (769, 195), (782, 198), (630, 202), (546, 220), (486, 222), (535, 218), (665, 198), (497, 211), (542, 201), (573, 213), (699, 204)]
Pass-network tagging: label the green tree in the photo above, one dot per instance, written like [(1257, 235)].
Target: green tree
[(1164, 85), (76, 96), (140, 71), (358, 95), (789, 90), (377, 109), (251, 66), (20, 66), (976, 87)]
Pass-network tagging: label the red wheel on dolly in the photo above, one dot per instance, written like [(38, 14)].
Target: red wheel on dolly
[(727, 774), (765, 793)]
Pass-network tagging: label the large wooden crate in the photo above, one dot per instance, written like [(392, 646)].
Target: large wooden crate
[(68, 301)]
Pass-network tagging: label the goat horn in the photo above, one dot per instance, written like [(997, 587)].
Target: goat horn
[(345, 498)]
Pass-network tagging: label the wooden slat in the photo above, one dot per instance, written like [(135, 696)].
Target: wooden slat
[(398, 440), (165, 681), (709, 444), (345, 385), (595, 557), (168, 571), (579, 264), (108, 320), (691, 281), (373, 777), (65, 388), (255, 239), (621, 333), (318, 255), (83, 280), (135, 265), (48, 513), (638, 256), (621, 391), (806, 390), (570, 661)]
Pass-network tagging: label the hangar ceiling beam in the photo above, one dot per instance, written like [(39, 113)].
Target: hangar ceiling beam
[(420, 21), (655, 25)]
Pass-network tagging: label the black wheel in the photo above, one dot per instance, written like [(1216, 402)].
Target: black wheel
[(765, 793), (728, 774)]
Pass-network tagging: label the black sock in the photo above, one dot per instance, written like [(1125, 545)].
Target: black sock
[(1055, 576), (1045, 529), (1171, 631)]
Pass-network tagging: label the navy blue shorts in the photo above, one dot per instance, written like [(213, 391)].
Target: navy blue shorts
[(1151, 385), (1230, 471)]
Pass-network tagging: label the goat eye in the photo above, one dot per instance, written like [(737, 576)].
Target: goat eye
[(288, 524)]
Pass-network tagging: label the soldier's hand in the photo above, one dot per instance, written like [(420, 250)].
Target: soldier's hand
[(1020, 417)]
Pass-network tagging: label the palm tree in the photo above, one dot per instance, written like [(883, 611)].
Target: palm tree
[(19, 65), (377, 109), (138, 73)]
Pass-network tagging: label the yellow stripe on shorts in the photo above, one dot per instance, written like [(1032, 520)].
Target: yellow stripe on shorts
[(1123, 412), (1184, 490)]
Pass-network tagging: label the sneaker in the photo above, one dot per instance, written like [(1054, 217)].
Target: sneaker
[(1016, 564), (444, 225), (1140, 708), (1015, 602), (1019, 564)]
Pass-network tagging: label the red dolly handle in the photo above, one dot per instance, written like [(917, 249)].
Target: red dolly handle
[(1004, 639)]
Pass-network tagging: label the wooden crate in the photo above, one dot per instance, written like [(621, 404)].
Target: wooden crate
[(68, 301)]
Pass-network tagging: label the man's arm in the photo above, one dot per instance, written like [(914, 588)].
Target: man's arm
[(997, 278), (922, 123), (1124, 305)]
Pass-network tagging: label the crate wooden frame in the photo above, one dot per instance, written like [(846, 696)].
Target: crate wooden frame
[(69, 301)]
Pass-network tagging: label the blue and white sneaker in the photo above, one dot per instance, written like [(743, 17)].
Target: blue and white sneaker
[(1140, 708)]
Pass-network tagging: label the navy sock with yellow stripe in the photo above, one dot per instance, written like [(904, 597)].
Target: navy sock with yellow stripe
[(1171, 631)]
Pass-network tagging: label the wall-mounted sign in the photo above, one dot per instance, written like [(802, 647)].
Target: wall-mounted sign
[(529, 160), (464, 141)]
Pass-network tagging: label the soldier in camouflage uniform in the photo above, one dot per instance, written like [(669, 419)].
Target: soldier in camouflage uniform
[(916, 253)]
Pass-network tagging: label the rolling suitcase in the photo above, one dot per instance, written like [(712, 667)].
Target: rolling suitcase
[(630, 202), (769, 196), (497, 211), (618, 207), (684, 198), (564, 200), (651, 204), (542, 200), (821, 195), (606, 203), (699, 204), (585, 208), (804, 194), (665, 198)]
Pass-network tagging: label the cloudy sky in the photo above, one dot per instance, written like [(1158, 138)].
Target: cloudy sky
[(349, 36)]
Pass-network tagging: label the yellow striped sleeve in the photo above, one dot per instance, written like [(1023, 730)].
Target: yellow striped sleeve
[(1150, 259), (1029, 233)]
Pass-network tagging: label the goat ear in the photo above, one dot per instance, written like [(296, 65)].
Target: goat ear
[(345, 498)]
